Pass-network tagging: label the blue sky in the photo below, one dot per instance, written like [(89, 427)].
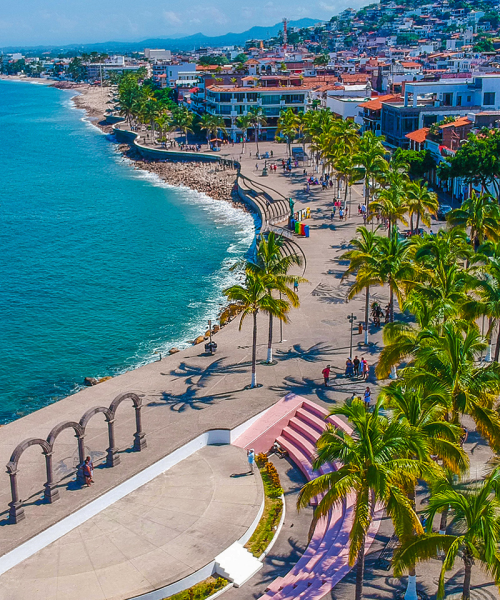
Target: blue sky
[(32, 22)]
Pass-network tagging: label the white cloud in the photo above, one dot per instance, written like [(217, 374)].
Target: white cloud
[(171, 17)]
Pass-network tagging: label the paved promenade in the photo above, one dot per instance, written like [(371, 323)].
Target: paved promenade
[(189, 392), (159, 534)]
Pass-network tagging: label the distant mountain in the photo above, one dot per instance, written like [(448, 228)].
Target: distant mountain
[(191, 42)]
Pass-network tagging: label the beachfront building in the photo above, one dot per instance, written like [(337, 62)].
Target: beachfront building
[(272, 94), (426, 103)]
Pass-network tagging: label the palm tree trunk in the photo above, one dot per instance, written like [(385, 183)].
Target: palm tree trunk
[(411, 588), (257, 138), (468, 561), (444, 521), (367, 313), (270, 340), (497, 348), (186, 134), (360, 572), (254, 351), (391, 303)]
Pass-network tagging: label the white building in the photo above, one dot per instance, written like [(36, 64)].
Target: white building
[(166, 74), (157, 54)]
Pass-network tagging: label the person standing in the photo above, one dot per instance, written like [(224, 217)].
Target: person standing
[(91, 466), (356, 364), (366, 369), (87, 472), (326, 375), (251, 460), (367, 398), (295, 285)]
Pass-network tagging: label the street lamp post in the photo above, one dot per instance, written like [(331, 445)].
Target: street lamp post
[(351, 318)]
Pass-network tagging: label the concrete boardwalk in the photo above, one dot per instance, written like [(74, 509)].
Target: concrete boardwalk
[(189, 393), (159, 534)]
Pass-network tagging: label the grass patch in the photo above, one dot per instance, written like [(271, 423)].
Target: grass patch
[(263, 535), (273, 507), (201, 590)]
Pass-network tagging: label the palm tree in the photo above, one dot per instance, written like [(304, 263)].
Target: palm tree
[(257, 119), (475, 533), (420, 202), (287, 126), (206, 123), (212, 124), (481, 215), (447, 355), (163, 122), (253, 297), (275, 266), (424, 409), (370, 156), (244, 122), (389, 266), (390, 202), (488, 304), (362, 257), (182, 119), (372, 472)]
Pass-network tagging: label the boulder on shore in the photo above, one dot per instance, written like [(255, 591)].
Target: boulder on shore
[(199, 340), (173, 350), (90, 381)]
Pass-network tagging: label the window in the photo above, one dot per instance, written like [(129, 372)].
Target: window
[(469, 98), (447, 99), (459, 100), (271, 99), (489, 99)]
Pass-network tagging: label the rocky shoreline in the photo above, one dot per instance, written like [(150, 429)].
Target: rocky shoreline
[(211, 179)]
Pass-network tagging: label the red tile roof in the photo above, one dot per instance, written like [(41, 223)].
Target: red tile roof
[(419, 136), (460, 122), (376, 103)]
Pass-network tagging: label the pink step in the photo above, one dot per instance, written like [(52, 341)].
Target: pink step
[(300, 441), (306, 430), (298, 457), (311, 419), (262, 434)]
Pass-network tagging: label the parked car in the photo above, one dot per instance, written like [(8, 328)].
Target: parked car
[(443, 210)]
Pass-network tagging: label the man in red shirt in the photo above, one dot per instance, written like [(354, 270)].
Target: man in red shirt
[(326, 374)]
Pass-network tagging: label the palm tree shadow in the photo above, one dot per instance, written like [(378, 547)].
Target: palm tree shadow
[(202, 376), (304, 386), (315, 353)]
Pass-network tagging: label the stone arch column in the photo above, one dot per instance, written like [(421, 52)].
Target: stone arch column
[(112, 459), (139, 435), (16, 510)]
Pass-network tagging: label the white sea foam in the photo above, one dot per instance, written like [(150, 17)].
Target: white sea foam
[(218, 211)]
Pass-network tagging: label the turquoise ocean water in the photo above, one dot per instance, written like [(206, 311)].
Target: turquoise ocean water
[(101, 266)]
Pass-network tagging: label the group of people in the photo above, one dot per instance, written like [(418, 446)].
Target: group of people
[(357, 367), (353, 368), (343, 210), (378, 313)]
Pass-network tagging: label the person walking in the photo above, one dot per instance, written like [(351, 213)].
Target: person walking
[(367, 398), (295, 285), (87, 472), (251, 460), (341, 214), (326, 375), (356, 363)]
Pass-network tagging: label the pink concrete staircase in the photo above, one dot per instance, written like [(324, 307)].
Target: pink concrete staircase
[(297, 423)]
